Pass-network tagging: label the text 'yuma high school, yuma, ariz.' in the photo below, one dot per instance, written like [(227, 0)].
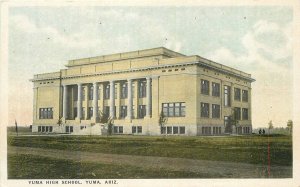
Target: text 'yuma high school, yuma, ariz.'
[(197, 96)]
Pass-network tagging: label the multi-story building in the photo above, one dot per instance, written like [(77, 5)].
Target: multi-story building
[(196, 96)]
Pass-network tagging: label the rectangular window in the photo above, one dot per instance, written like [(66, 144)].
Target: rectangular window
[(237, 113), (118, 129), (215, 89), (75, 112), (47, 128), (215, 111), (174, 109), (50, 129), (205, 110), (91, 92), (142, 111), (67, 129), (182, 130), (175, 130), (45, 113), (245, 113), (123, 112), (163, 130), (90, 112), (237, 94), (245, 95), (107, 91), (39, 129), (169, 130), (204, 87), (134, 129), (124, 90), (106, 110), (142, 89), (227, 93), (139, 129), (121, 129)]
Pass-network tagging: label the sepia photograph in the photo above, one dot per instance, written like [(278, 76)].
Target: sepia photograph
[(117, 93)]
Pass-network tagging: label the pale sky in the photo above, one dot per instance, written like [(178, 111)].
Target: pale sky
[(256, 40)]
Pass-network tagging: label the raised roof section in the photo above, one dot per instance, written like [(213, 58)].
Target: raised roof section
[(160, 53)]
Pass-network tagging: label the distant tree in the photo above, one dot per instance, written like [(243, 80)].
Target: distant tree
[(270, 125), (290, 126), (108, 121), (162, 121)]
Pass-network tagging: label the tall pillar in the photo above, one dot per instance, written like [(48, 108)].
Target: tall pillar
[(79, 101), (148, 109), (65, 102), (112, 99), (95, 101), (129, 95)]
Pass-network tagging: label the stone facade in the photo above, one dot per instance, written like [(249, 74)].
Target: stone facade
[(190, 90)]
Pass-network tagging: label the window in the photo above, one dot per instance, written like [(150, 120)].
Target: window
[(106, 110), (123, 112), (107, 91), (245, 113), (45, 113), (91, 92), (134, 129), (182, 130), (71, 129), (67, 129), (163, 130), (205, 110), (175, 130), (227, 94), (215, 89), (90, 112), (174, 109), (118, 129), (237, 113), (142, 89), (75, 94), (237, 94), (215, 111), (50, 129), (124, 90), (216, 130), (169, 130), (75, 112), (204, 87), (83, 93), (39, 129), (245, 95), (140, 129), (43, 128), (142, 111), (206, 130), (137, 129)]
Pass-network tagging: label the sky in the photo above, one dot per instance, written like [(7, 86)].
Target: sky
[(256, 40)]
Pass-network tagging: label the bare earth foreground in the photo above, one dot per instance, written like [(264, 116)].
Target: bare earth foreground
[(214, 168)]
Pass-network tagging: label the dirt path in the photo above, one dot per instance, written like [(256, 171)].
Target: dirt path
[(217, 168)]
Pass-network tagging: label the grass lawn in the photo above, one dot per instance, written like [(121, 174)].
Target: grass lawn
[(246, 149), (38, 167)]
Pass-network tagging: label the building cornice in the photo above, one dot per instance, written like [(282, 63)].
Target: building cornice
[(161, 66)]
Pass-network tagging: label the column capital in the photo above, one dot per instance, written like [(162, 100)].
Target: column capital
[(148, 78), (111, 81), (79, 84)]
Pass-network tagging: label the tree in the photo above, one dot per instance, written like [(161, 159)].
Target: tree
[(290, 126), (270, 124), (162, 121), (231, 122), (108, 121)]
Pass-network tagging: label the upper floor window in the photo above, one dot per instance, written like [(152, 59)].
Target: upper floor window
[(237, 113), (123, 112), (142, 111), (245, 113), (174, 109), (216, 89), (46, 113), (215, 111), (90, 112), (124, 90), (107, 91), (227, 95), (142, 89), (237, 94), (91, 92), (245, 95), (205, 110), (204, 87)]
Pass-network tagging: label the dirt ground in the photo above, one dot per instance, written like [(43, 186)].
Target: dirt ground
[(219, 168)]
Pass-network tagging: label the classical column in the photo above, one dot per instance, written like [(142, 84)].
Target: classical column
[(65, 102), (148, 109), (95, 101), (129, 95), (112, 99), (79, 101)]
